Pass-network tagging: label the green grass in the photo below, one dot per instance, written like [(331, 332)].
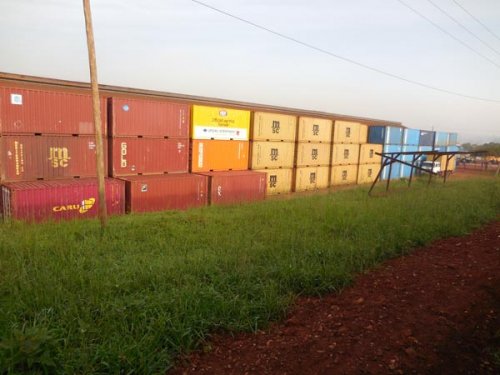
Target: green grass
[(73, 301)]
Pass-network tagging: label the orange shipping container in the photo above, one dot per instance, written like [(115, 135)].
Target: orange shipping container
[(272, 155), (274, 127), (346, 132), (344, 154), (313, 154), (311, 178), (344, 175), (367, 154), (368, 172), (315, 130), (215, 155), (279, 181)]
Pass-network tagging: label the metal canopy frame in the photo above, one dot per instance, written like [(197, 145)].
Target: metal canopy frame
[(389, 158)]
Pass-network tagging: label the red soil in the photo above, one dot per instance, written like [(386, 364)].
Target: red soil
[(435, 311)]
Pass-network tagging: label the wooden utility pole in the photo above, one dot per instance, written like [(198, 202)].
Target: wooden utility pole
[(97, 114)]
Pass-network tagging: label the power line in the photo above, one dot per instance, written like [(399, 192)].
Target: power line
[(463, 26), (346, 59), (477, 20), (449, 34)]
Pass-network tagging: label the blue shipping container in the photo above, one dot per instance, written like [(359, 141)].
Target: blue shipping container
[(388, 135), (452, 139), (411, 137), (396, 167), (405, 169), (441, 139), (427, 138)]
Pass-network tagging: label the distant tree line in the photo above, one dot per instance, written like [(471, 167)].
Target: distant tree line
[(491, 148)]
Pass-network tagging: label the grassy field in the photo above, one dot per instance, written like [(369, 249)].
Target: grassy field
[(128, 301)]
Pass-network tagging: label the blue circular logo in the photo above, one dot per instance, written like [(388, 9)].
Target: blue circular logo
[(126, 107)]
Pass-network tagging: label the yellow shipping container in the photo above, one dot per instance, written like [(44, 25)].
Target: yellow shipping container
[(279, 181), (442, 161), (313, 154), (274, 127), (344, 175), (367, 154), (363, 133), (220, 123), (346, 132), (315, 130), (272, 155), (344, 154), (367, 173), (311, 178)]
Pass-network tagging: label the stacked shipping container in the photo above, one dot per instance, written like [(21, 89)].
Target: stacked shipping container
[(411, 140), (391, 139)]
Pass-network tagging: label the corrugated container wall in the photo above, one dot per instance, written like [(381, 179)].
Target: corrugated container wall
[(411, 137), (452, 139), (29, 111), (367, 173), (346, 132), (363, 133), (311, 178), (406, 170), (220, 123), (343, 154), (133, 156), (216, 155), (427, 138), (27, 157), (395, 169), (344, 175), (272, 155), (441, 139), (368, 154), (60, 200), (315, 130), (313, 154), (235, 186), (385, 135), (149, 118), (279, 180), (274, 127), (168, 192)]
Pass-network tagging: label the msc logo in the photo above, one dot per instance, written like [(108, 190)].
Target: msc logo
[(82, 208), (59, 157)]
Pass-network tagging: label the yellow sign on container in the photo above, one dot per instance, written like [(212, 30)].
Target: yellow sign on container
[(344, 154), (344, 175), (315, 130), (311, 178), (274, 127), (220, 123), (368, 172), (272, 155), (313, 154), (363, 133), (346, 132), (367, 154), (279, 181)]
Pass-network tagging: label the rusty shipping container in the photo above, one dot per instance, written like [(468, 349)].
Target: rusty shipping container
[(30, 111), (137, 156), (272, 155), (346, 132), (344, 175), (216, 155), (368, 172), (29, 157), (60, 200), (166, 192), (368, 153), (235, 186), (311, 178), (274, 127), (279, 180), (148, 118), (344, 153), (315, 130), (313, 154)]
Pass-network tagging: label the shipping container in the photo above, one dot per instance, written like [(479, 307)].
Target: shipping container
[(235, 186), (344, 175), (215, 155), (363, 133), (389, 135), (427, 138), (148, 118), (136, 156), (344, 153), (311, 178), (220, 123), (424, 148), (274, 127), (452, 139), (279, 180), (346, 132), (313, 154), (29, 157), (368, 154), (165, 192), (272, 155), (315, 130), (60, 200), (406, 169), (30, 111), (395, 169), (442, 159), (441, 139), (411, 137), (367, 173)]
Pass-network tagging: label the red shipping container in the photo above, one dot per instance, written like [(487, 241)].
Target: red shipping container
[(60, 200), (137, 156), (29, 157), (29, 111), (167, 192), (235, 186), (149, 118)]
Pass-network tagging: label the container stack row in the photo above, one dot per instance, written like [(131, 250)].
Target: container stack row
[(391, 139)]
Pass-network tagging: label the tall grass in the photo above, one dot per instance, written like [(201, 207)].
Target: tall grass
[(128, 301)]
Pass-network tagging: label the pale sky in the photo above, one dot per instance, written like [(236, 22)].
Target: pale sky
[(182, 47)]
